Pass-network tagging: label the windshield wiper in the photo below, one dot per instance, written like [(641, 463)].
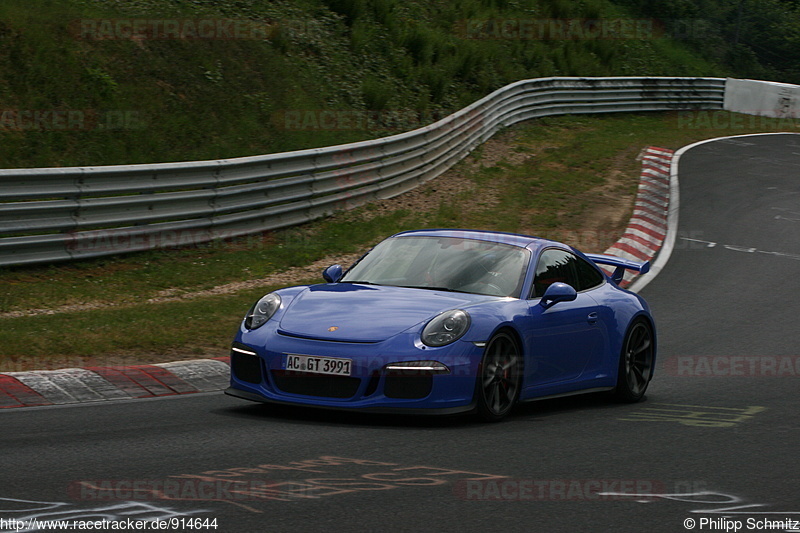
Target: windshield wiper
[(429, 287)]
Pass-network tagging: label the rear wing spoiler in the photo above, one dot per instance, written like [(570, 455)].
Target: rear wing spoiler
[(620, 265)]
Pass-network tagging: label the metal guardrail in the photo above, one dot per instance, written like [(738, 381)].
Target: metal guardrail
[(57, 214)]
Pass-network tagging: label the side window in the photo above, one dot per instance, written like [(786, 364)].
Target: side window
[(588, 275), (554, 266), (561, 266)]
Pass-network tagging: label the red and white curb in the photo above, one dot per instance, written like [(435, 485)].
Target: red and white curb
[(95, 384), (642, 240), (647, 228)]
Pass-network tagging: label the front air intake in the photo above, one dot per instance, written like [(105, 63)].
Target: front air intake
[(246, 365)]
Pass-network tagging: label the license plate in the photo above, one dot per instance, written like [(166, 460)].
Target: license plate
[(318, 365)]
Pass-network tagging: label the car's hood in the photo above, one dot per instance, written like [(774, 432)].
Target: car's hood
[(365, 313)]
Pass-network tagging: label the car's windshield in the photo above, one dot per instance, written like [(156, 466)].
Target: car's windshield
[(444, 263)]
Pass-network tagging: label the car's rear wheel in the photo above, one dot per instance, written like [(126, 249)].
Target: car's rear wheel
[(499, 377), (635, 362)]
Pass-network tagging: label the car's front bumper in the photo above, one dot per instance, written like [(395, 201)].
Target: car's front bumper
[(259, 373), (245, 395)]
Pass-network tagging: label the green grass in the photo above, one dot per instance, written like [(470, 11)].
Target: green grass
[(131, 279), (549, 194), (141, 329), (194, 99)]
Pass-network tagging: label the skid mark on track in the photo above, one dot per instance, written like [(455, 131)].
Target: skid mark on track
[(721, 503), (741, 248), (787, 214), (694, 415), (297, 481)]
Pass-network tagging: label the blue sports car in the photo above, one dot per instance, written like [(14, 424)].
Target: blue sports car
[(447, 321)]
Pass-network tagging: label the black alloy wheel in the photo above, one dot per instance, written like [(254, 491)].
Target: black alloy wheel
[(499, 377)]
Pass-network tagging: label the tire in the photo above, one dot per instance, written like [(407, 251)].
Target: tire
[(635, 363), (499, 378)]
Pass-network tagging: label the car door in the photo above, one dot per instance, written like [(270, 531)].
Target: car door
[(566, 337)]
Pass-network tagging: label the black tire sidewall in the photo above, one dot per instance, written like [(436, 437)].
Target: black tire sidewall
[(622, 391), (483, 410)]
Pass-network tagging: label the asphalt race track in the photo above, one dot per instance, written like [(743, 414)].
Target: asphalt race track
[(714, 445)]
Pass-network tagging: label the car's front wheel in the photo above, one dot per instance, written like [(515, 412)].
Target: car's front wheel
[(499, 377), (635, 362)]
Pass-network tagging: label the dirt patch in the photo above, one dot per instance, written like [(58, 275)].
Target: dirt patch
[(501, 148), (610, 205)]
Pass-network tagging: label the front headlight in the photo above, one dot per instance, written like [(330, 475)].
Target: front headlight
[(262, 311), (446, 327)]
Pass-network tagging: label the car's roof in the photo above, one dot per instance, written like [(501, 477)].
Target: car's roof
[(513, 239)]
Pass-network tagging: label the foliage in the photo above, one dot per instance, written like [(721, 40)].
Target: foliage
[(199, 98), (754, 38)]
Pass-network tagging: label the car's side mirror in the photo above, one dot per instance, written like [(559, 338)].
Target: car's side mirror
[(333, 273), (558, 292)]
